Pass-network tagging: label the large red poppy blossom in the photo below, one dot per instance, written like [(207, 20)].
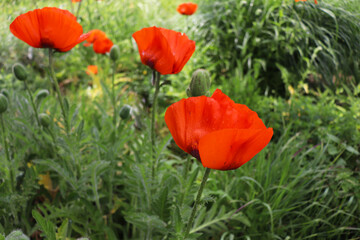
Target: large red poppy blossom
[(102, 45), (48, 27), (164, 50), (187, 8), (221, 134), (94, 35)]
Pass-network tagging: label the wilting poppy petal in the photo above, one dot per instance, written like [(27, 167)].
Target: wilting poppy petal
[(102, 45), (230, 148), (164, 50), (187, 8), (191, 120), (48, 27)]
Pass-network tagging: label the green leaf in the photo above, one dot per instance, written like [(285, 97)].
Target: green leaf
[(46, 226)]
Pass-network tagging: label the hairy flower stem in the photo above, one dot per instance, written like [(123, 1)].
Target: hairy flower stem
[(3, 133), (113, 95), (156, 82), (57, 88), (32, 103), (198, 197)]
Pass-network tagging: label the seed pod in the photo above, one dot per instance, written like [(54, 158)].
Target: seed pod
[(19, 71), (3, 103), (44, 120), (200, 83), (125, 112), (5, 93), (114, 53), (43, 93)]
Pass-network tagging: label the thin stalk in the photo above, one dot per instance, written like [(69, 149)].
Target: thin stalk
[(78, 10), (57, 88), (72, 8), (12, 187), (32, 103), (113, 95), (198, 197), (156, 82)]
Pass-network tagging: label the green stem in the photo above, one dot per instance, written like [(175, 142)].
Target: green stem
[(78, 10), (198, 197), (113, 95), (72, 8), (32, 103), (156, 82), (57, 88), (7, 154)]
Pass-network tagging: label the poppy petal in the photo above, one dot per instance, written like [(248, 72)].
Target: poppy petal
[(26, 28), (230, 148), (181, 46), (154, 50)]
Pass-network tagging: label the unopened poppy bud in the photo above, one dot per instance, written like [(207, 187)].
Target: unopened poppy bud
[(125, 112), (19, 72), (200, 83), (44, 120), (43, 93), (3, 103), (114, 53), (5, 93)]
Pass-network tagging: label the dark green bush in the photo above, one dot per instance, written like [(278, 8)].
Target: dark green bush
[(281, 42)]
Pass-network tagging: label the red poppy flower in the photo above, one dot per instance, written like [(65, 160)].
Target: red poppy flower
[(187, 8), (164, 50), (92, 69), (93, 36), (48, 27), (74, 1), (102, 45), (221, 134)]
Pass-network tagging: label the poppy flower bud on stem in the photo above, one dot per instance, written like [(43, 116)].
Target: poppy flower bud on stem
[(19, 72), (5, 93), (114, 53), (3, 103), (200, 84), (44, 120), (125, 112), (43, 93)]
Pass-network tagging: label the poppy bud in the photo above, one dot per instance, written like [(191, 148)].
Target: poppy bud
[(125, 112), (114, 53), (200, 83), (3, 103), (5, 93), (44, 120), (43, 93), (19, 71)]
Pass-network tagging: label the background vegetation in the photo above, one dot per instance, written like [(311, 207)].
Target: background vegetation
[(295, 64)]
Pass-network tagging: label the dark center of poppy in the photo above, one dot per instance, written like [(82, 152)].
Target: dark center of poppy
[(195, 153), (47, 43), (150, 63)]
